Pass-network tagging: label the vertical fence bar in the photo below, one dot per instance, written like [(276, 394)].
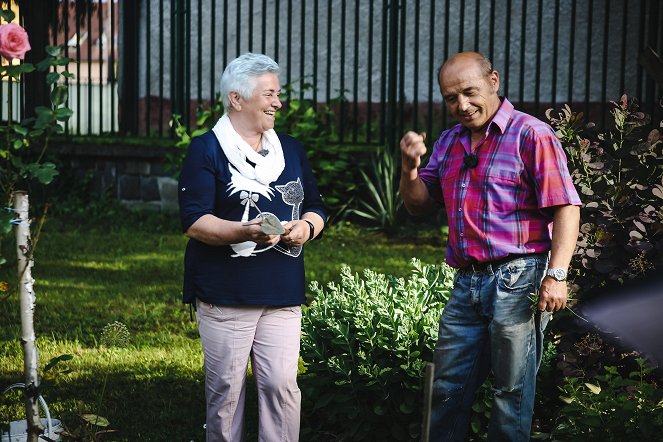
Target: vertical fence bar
[(507, 48), (477, 21), (315, 52), (553, 86), (65, 44), (100, 52), (238, 26), (604, 67), (383, 71), (392, 87), (199, 64), (78, 67), (111, 69), (89, 66), (187, 62), (162, 62), (369, 79), (148, 65), (355, 75), (212, 53), (176, 57), (572, 41), (342, 116), (302, 52), (431, 68), (491, 44), (225, 33), (402, 16), (250, 30), (461, 26), (622, 52), (447, 11), (523, 43), (263, 34), (329, 49), (277, 8), (288, 44), (415, 92), (537, 74), (588, 55)]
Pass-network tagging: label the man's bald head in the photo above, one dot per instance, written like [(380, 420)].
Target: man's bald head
[(465, 59)]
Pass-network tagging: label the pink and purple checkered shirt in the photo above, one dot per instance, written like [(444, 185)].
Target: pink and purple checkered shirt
[(504, 205)]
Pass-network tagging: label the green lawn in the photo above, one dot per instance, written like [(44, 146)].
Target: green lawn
[(130, 270)]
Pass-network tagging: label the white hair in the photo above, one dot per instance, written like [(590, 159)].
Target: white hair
[(240, 74)]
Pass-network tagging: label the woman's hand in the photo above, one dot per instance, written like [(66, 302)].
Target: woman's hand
[(297, 232), (256, 234)]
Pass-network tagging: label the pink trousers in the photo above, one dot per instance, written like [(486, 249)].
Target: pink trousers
[(270, 336)]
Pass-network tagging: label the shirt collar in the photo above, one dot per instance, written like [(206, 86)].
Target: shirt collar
[(500, 119), (503, 115)]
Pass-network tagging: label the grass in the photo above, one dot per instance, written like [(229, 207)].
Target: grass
[(91, 272)]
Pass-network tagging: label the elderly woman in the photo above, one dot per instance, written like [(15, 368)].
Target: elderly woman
[(248, 203)]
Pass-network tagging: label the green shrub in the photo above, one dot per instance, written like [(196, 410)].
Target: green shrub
[(365, 344), (612, 408), (619, 176)]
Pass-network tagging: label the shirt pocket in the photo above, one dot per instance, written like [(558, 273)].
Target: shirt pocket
[(502, 191)]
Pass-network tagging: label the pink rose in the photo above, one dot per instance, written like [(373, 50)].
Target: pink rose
[(13, 41)]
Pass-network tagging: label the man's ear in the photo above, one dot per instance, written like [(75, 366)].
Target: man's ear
[(495, 80)]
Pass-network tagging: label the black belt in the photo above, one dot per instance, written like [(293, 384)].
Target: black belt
[(480, 267)]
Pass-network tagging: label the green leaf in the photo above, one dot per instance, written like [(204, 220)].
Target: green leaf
[(59, 95), (53, 51), (5, 221), (52, 78), (7, 14), (593, 388), (56, 360), (63, 113), (566, 399), (93, 419), (43, 172)]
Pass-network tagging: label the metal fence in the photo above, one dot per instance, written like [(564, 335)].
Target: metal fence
[(374, 61)]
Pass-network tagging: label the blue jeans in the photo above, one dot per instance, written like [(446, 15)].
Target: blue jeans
[(490, 323)]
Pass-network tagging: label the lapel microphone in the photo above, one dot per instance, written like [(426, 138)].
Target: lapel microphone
[(470, 161)]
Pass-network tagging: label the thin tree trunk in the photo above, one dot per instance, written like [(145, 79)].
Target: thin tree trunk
[(27, 297)]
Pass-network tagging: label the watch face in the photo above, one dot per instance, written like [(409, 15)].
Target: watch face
[(558, 274)]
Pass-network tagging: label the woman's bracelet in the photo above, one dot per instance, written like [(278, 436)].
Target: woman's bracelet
[(311, 230)]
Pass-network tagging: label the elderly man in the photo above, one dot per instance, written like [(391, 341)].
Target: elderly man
[(502, 177)]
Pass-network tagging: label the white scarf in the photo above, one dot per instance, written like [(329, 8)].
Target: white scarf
[(267, 169)]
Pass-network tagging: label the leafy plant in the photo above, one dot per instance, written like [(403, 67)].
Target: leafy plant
[(365, 345), (620, 179), (611, 407), (92, 426), (383, 205), (19, 140)]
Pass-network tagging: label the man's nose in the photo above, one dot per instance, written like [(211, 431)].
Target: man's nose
[(463, 103)]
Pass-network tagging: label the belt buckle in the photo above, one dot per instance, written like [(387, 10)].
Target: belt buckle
[(479, 267)]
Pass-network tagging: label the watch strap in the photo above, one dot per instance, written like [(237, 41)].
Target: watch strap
[(311, 228)]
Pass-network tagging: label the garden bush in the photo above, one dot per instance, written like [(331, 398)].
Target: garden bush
[(365, 344), (611, 407), (619, 176)]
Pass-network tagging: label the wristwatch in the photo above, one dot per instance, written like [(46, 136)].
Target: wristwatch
[(557, 274)]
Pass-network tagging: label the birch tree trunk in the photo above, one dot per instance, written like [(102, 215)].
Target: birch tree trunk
[(27, 297)]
